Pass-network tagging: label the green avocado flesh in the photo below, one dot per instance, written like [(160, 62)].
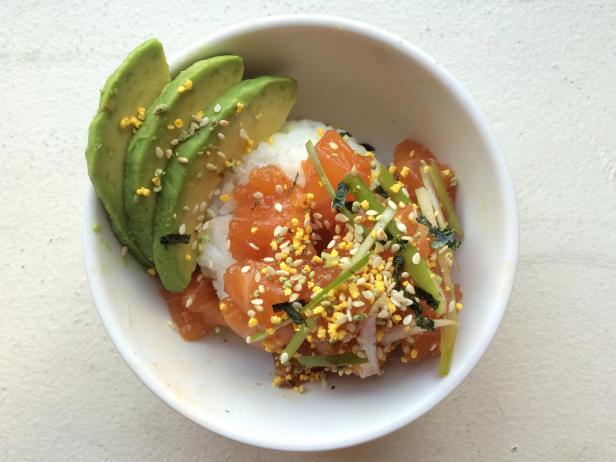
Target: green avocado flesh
[(190, 92), (245, 115), (133, 85)]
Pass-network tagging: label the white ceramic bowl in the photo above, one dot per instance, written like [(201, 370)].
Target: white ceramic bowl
[(382, 90)]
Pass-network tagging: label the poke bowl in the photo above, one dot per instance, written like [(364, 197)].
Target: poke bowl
[(346, 85)]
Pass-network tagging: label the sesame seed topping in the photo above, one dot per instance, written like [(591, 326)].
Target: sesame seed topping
[(279, 189), (416, 258), (257, 195), (391, 204), (220, 136), (217, 108), (341, 218), (189, 302), (168, 153), (211, 167), (253, 246), (245, 269), (182, 160), (124, 251), (278, 206), (159, 152), (182, 229), (257, 301), (174, 142), (223, 122), (284, 357)]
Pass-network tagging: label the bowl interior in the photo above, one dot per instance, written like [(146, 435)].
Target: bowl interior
[(381, 90)]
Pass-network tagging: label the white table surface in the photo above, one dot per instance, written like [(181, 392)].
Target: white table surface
[(545, 75)]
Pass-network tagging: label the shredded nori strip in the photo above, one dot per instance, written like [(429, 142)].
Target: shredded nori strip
[(294, 181), (293, 314), (344, 133), (398, 262), (426, 297), (381, 192), (368, 147), (341, 192), (175, 239), (424, 323), (442, 237)]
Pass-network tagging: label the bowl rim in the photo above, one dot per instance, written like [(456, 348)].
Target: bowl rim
[(504, 180)]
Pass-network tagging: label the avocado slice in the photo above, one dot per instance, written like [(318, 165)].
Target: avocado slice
[(130, 89), (248, 113), (147, 154)]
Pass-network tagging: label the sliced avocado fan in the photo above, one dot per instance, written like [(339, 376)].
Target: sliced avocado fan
[(171, 119), (126, 94), (245, 115)]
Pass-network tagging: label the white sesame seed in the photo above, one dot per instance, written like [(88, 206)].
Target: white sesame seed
[(268, 259), (220, 136), (293, 297), (341, 218), (284, 357), (174, 142), (217, 108), (297, 287), (392, 205), (189, 301), (182, 160), (223, 122), (333, 145), (371, 212), (278, 206), (245, 269), (251, 313), (204, 122), (257, 301), (168, 153), (331, 244), (194, 244), (182, 229), (279, 189), (243, 134), (211, 167), (258, 276), (253, 246), (400, 226), (416, 258), (221, 154), (124, 250), (404, 275), (258, 195), (395, 247), (159, 152), (249, 339)]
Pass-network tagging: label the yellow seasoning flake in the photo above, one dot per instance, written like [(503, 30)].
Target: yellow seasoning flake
[(252, 322), (178, 123), (287, 292), (222, 306), (310, 197), (405, 171), (141, 113), (239, 107), (365, 204), (225, 197), (254, 229), (125, 122), (318, 310), (396, 187), (188, 257), (152, 271), (188, 84), (321, 333), (181, 89), (414, 353), (143, 191), (156, 181), (135, 122), (459, 306), (276, 319), (392, 169)]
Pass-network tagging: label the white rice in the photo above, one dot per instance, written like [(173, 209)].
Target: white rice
[(286, 150)]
